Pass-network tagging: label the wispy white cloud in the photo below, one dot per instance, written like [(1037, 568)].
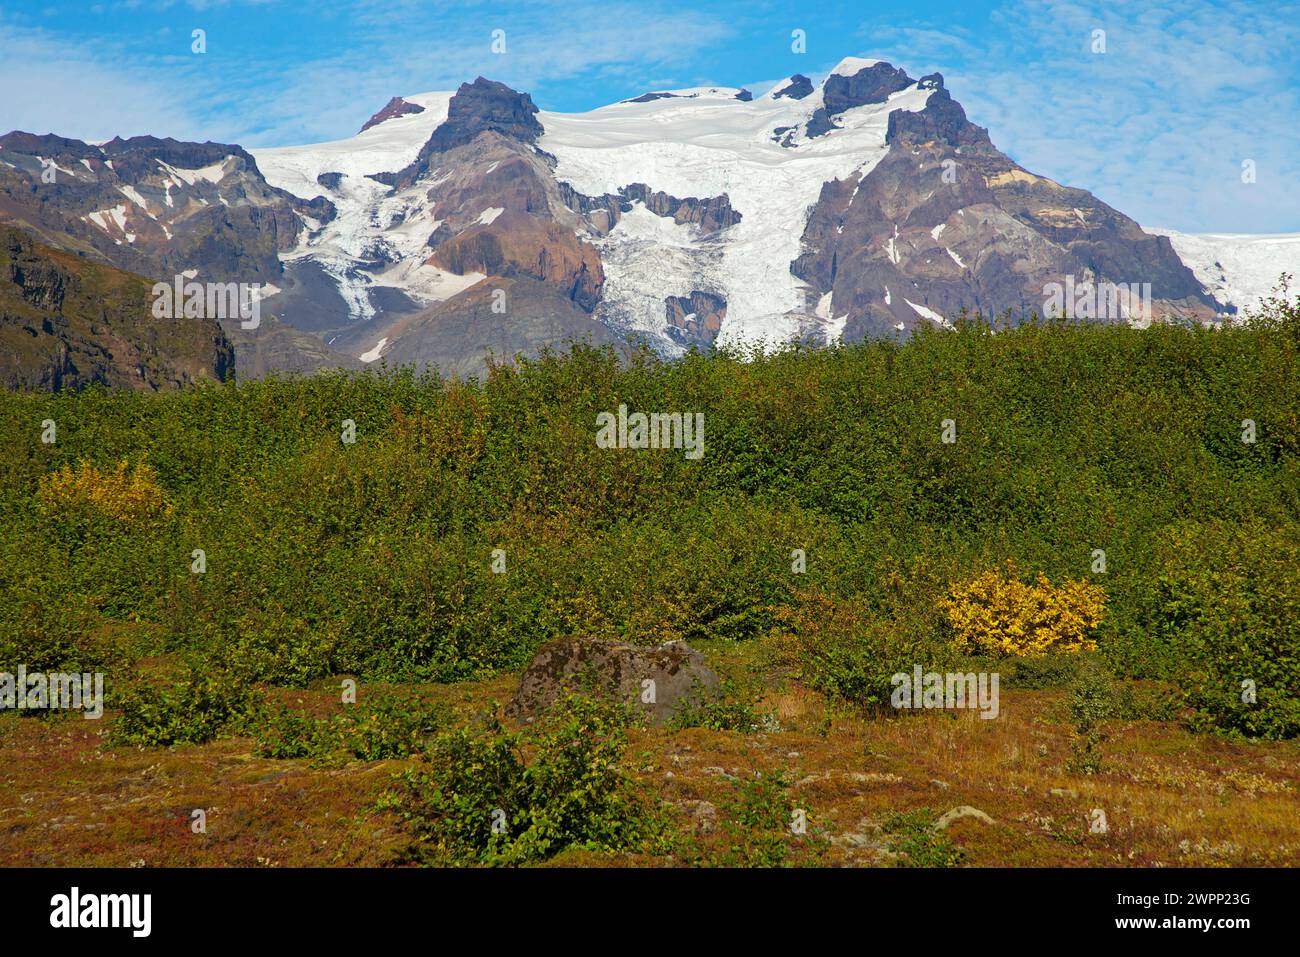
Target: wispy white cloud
[(347, 60), (53, 85), (601, 43), (1158, 126)]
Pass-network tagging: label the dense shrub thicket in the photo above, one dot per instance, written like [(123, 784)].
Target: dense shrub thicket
[(376, 558)]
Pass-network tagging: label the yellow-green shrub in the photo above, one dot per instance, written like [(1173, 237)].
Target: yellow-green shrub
[(120, 493), (1002, 615)]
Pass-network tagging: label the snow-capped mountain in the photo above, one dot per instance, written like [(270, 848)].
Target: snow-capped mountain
[(457, 224), (759, 155), (709, 214)]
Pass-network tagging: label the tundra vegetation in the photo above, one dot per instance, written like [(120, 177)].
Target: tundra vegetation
[(230, 563)]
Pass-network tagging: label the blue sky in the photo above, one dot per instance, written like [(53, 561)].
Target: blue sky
[(1158, 126)]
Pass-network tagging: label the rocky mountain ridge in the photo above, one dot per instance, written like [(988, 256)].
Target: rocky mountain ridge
[(455, 226)]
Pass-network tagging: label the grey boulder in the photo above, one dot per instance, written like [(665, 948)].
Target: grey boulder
[(657, 682)]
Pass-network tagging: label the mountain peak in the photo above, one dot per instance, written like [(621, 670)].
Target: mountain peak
[(794, 87), (397, 106), (486, 105), (855, 82), (853, 65)]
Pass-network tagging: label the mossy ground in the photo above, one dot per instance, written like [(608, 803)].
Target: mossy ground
[(1170, 797)]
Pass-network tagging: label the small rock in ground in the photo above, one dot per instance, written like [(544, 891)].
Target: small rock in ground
[(703, 814), (960, 811)]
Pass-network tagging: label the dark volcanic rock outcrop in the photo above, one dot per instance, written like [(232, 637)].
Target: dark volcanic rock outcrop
[(651, 97), (744, 96), (709, 213), (395, 107), (798, 87), (484, 106), (941, 119), (873, 84)]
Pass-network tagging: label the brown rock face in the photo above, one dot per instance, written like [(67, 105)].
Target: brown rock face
[(695, 319), (275, 346), (66, 323), (521, 244), (140, 205), (947, 222), (497, 319)]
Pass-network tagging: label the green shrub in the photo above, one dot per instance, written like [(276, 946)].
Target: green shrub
[(50, 638), (290, 733), (756, 823), (1093, 701), (734, 709), (840, 648), (273, 646), (192, 711), (383, 724), (459, 807), (389, 724), (1227, 600), (1048, 671), (480, 801), (913, 836)]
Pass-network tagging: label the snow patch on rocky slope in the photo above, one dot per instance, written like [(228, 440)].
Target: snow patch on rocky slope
[(1236, 268)]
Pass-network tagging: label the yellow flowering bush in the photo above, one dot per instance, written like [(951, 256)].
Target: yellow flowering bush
[(1002, 615), (122, 493)]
